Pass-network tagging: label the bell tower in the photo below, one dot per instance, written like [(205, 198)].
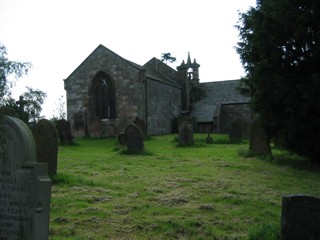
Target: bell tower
[(188, 75)]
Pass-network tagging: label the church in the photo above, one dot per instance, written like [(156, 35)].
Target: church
[(106, 93)]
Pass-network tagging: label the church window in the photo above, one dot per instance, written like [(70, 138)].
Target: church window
[(104, 95)]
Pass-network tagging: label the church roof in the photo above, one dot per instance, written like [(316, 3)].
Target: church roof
[(164, 75), (159, 66), (221, 92)]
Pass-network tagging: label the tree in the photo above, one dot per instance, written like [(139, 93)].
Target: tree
[(7, 68), (167, 57), (280, 50), (34, 98)]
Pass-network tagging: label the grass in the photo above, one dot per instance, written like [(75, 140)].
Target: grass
[(207, 191)]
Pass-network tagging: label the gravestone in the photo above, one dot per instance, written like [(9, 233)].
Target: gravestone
[(95, 127), (25, 185), (185, 129), (300, 217), (141, 124), (64, 131), (134, 139), (235, 131), (46, 137), (259, 143)]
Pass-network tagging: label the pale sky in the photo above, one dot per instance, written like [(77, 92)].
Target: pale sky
[(57, 35)]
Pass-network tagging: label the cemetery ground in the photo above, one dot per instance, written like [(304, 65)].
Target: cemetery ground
[(208, 191)]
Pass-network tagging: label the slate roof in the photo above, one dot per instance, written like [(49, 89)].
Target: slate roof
[(222, 92)]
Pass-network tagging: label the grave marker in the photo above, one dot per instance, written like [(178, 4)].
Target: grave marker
[(185, 125), (64, 131), (300, 217), (134, 139), (46, 137), (24, 183)]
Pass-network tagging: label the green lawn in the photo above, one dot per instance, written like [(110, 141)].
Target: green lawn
[(203, 192)]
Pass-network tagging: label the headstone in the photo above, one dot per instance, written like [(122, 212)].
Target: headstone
[(134, 139), (25, 185), (185, 129), (259, 142), (300, 217), (141, 124), (122, 139), (95, 127), (64, 131), (235, 131), (46, 137)]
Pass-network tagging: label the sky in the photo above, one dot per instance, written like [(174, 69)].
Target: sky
[(57, 35)]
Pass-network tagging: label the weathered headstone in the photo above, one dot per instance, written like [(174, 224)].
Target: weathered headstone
[(134, 139), (46, 137), (300, 217), (235, 131), (25, 185), (259, 142), (185, 129), (141, 124), (64, 131), (95, 127)]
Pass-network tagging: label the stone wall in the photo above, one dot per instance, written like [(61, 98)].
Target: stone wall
[(163, 105), (128, 84)]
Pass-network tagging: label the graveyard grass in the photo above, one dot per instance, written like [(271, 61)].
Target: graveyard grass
[(208, 191)]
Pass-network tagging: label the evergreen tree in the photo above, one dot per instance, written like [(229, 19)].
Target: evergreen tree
[(280, 50)]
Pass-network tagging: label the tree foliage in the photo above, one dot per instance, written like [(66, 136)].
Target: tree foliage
[(280, 50), (167, 57), (7, 68), (34, 98)]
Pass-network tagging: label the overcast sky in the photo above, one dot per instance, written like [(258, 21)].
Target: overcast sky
[(57, 35)]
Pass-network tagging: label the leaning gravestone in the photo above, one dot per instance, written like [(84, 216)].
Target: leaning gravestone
[(300, 217), (235, 131), (46, 137), (134, 139), (25, 185), (185, 129), (259, 143)]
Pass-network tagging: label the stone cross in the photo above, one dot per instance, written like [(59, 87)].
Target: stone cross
[(21, 104)]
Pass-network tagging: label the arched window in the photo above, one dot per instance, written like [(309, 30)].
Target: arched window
[(104, 97)]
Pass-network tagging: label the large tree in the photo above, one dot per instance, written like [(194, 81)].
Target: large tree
[(280, 50), (9, 68)]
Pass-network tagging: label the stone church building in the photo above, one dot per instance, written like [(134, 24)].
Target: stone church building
[(106, 93)]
